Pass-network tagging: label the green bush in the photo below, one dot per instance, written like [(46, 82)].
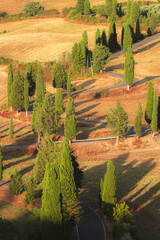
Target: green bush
[(66, 10), (123, 220), (33, 8), (97, 95), (16, 183), (31, 191), (104, 93)]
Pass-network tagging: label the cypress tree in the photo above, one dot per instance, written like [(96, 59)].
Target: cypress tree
[(70, 127), (97, 37), (113, 15), (1, 164), (26, 94), (70, 109), (104, 38), (127, 39), (11, 128), (128, 8), (66, 171), (138, 34), (83, 51), (138, 121), (149, 103), (76, 58), (51, 197), (112, 37), (47, 153), (154, 113), (59, 76), (100, 58), (58, 104), (17, 91), (134, 11), (9, 84), (41, 87), (68, 86), (31, 79), (117, 120), (85, 38), (47, 119), (80, 6), (87, 9), (108, 7), (109, 188), (129, 67)]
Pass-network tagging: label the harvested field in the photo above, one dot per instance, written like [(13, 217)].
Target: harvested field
[(43, 39)]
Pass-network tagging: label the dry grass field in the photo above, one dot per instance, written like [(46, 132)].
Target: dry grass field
[(43, 39)]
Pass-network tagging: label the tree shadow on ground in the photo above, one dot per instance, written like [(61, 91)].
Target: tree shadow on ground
[(87, 83), (145, 48), (3, 126), (117, 66), (84, 110), (146, 79)]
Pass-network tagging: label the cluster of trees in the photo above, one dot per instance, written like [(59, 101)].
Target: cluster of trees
[(20, 86), (83, 7), (32, 9), (122, 216)]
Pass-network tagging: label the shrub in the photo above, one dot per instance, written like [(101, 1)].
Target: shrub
[(33, 8), (66, 10), (123, 220), (97, 95), (104, 93), (16, 183), (31, 191)]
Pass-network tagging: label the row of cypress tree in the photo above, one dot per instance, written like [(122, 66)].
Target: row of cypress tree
[(83, 7)]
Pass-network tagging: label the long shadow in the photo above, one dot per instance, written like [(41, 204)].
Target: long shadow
[(146, 47), (20, 129), (5, 130), (87, 109), (146, 79), (117, 66), (87, 83), (3, 126), (82, 102)]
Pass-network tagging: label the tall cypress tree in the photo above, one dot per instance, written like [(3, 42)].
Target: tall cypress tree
[(87, 9), (68, 86), (9, 84), (11, 128), (104, 38), (112, 37), (66, 170), (108, 7), (26, 94), (70, 127), (1, 164), (138, 121), (17, 91), (70, 109), (97, 37), (109, 188), (127, 39), (128, 8), (31, 79), (149, 103), (59, 76), (138, 34), (100, 58), (85, 38), (129, 67), (41, 87), (134, 11), (83, 51), (51, 199), (58, 104), (154, 113)]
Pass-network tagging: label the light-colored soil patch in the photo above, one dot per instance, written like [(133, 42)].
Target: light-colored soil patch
[(43, 39)]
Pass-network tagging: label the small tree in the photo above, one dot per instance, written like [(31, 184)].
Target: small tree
[(70, 109), (68, 86), (9, 84), (117, 120), (58, 104), (154, 113), (149, 103), (134, 11), (83, 51), (128, 8), (85, 38), (26, 94), (30, 74), (32, 9), (138, 121), (40, 86), (11, 128), (127, 39), (97, 37), (138, 34), (70, 127), (123, 220), (100, 58), (1, 164), (129, 67), (108, 7), (108, 188), (16, 183), (51, 199), (112, 37), (31, 191), (87, 9), (59, 76), (17, 91)]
